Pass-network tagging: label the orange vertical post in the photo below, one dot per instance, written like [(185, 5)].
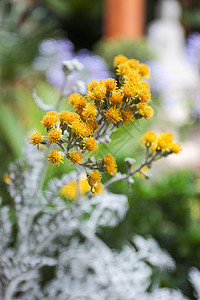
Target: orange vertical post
[(124, 18)]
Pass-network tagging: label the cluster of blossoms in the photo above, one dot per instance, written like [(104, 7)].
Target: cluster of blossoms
[(157, 147), (107, 105), (162, 144)]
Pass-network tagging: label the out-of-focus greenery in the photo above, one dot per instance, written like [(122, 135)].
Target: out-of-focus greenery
[(132, 48), (169, 210), (23, 25), (68, 8), (191, 17), (82, 20), (18, 116), (22, 28)]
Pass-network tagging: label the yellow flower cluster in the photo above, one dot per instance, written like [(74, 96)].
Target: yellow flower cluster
[(136, 91), (110, 165), (75, 157), (107, 105), (50, 119), (94, 180), (35, 138), (162, 143), (55, 157)]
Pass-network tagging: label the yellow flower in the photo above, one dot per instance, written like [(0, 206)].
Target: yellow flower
[(143, 91), (164, 141), (150, 137), (80, 128), (35, 138), (169, 137), (77, 101), (129, 91), (113, 115), (55, 157), (89, 112), (90, 144), (133, 63), (175, 148), (54, 135), (69, 190), (144, 170), (97, 93), (110, 165), (127, 115), (98, 188), (133, 78), (116, 98), (50, 119), (123, 70), (93, 177), (145, 110), (67, 117), (148, 112), (110, 84), (119, 59), (144, 70), (7, 179), (92, 85), (94, 180), (153, 147), (84, 186), (75, 157)]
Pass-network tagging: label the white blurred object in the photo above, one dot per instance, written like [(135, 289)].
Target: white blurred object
[(166, 33), (52, 233), (72, 65), (175, 106), (79, 87), (166, 36), (188, 158), (194, 277)]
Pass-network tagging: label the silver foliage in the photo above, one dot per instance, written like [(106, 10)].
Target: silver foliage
[(40, 103), (194, 277), (46, 232)]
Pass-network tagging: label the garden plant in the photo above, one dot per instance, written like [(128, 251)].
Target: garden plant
[(50, 244)]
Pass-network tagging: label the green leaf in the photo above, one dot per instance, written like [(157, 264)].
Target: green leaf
[(11, 130)]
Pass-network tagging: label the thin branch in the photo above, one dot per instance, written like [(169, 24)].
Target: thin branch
[(40, 103)]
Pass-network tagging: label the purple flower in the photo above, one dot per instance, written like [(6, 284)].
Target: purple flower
[(95, 66), (193, 48), (54, 52)]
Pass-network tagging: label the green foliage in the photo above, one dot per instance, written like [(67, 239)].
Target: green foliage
[(18, 52), (191, 18), (137, 48), (75, 7), (169, 210)]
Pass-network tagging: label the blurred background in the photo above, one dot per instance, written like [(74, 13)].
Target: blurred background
[(36, 36)]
